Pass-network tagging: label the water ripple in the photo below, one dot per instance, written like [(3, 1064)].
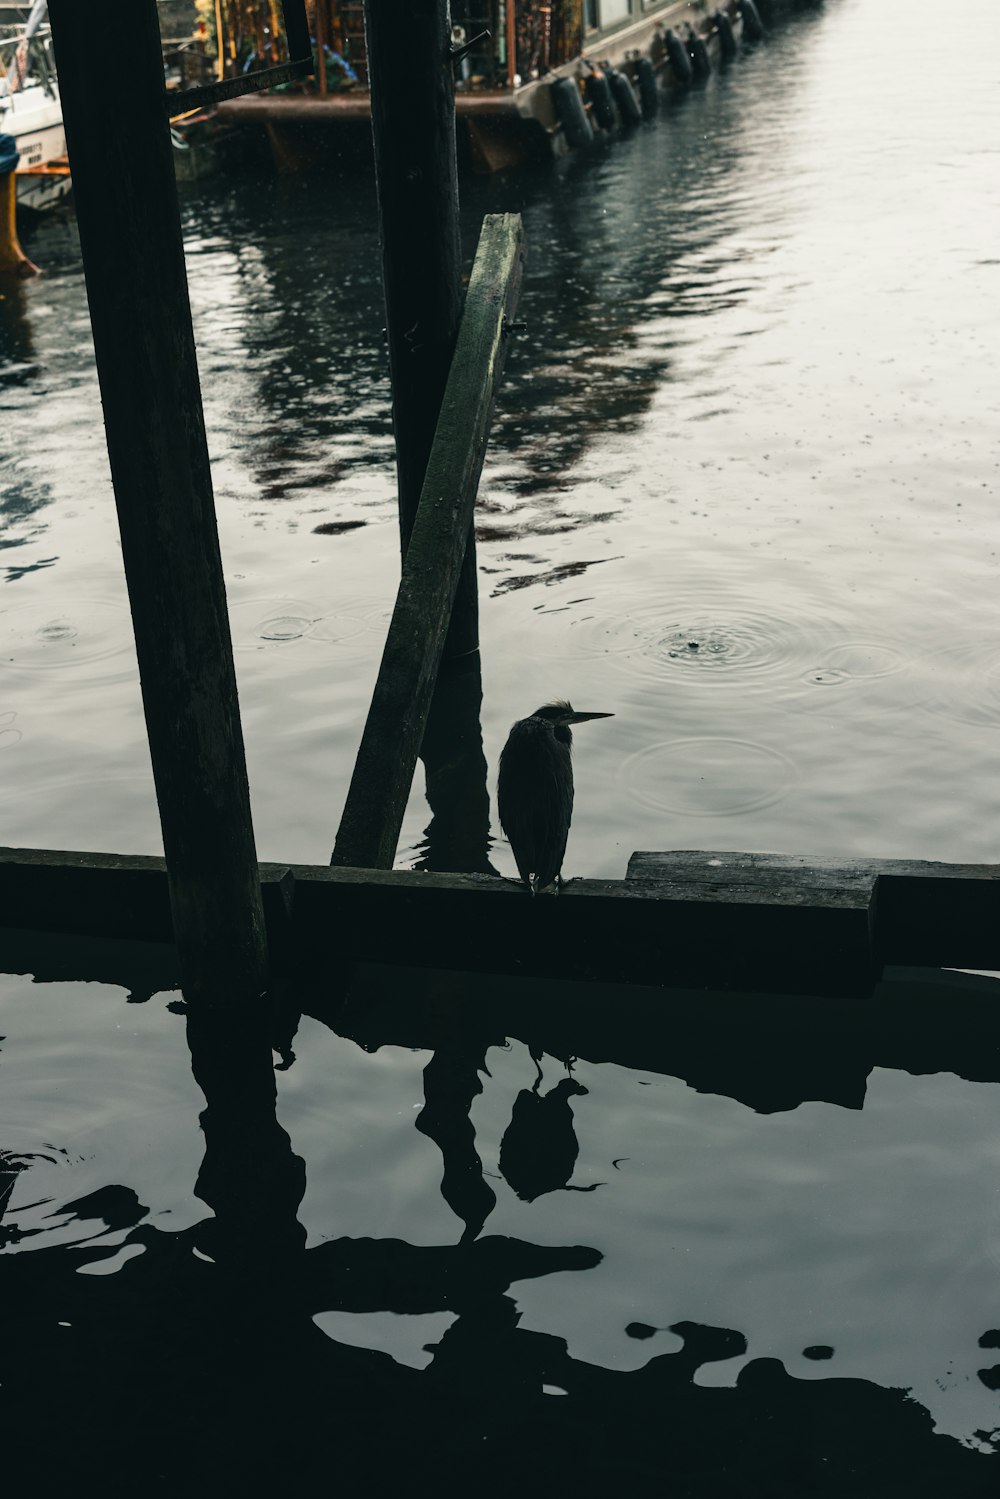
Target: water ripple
[(256, 623), (708, 777), (964, 682), (83, 631), (703, 640)]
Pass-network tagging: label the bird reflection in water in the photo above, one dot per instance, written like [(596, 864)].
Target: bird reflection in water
[(539, 1148), (535, 791)]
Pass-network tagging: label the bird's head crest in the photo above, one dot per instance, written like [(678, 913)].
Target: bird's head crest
[(560, 714)]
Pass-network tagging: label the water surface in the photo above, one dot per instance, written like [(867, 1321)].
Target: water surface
[(742, 487), (742, 493), (731, 1211)]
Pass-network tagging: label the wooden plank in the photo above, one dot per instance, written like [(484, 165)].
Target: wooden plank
[(925, 913), (352, 104), (741, 868), (939, 915), (207, 94), (736, 937), (380, 785), (128, 217), (678, 935), (44, 169)]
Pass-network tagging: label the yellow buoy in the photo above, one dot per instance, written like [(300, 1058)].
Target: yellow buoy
[(13, 261)]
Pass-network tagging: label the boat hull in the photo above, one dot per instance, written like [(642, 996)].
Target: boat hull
[(506, 127), (34, 120)]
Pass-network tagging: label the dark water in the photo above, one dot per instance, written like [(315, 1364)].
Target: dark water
[(753, 1255), (755, 409)]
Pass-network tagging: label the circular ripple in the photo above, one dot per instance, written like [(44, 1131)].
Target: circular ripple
[(696, 639), (855, 661), (270, 620), (338, 627), (864, 659), (285, 627), (708, 777), (279, 621), (963, 682), (41, 636)]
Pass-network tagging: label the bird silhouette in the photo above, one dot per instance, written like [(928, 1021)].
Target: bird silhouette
[(535, 791)]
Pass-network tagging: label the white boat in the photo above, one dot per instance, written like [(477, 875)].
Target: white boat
[(30, 111)]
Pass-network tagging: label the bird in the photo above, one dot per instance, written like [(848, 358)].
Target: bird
[(535, 791)]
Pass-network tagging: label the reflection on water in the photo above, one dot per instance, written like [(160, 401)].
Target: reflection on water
[(800, 1292)]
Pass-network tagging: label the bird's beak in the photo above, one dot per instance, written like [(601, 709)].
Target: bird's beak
[(583, 717)]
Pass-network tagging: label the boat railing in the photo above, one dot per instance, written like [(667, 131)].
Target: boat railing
[(25, 62)]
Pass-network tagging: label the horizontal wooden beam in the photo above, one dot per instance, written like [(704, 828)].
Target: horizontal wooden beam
[(927, 913), (680, 933), (757, 922)]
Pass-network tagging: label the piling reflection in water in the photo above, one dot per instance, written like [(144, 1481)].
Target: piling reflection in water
[(195, 1356), (249, 1177), (451, 1083), (457, 839)]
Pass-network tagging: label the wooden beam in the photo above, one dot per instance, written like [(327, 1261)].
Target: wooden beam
[(763, 937), (380, 785), (128, 217), (925, 913), (412, 92), (759, 922), (321, 39), (937, 915)]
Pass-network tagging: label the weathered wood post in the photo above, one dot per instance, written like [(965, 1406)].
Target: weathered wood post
[(413, 125), (321, 46), (130, 234), (394, 731)]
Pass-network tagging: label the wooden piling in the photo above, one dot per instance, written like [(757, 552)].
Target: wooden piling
[(380, 785), (321, 19), (133, 255), (413, 126)]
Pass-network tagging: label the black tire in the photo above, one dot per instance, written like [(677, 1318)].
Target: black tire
[(624, 96), (677, 56), (698, 53), (753, 26), (649, 94), (598, 91), (727, 36), (570, 112)]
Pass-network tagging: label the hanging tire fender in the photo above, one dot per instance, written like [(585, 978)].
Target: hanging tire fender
[(677, 56)]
